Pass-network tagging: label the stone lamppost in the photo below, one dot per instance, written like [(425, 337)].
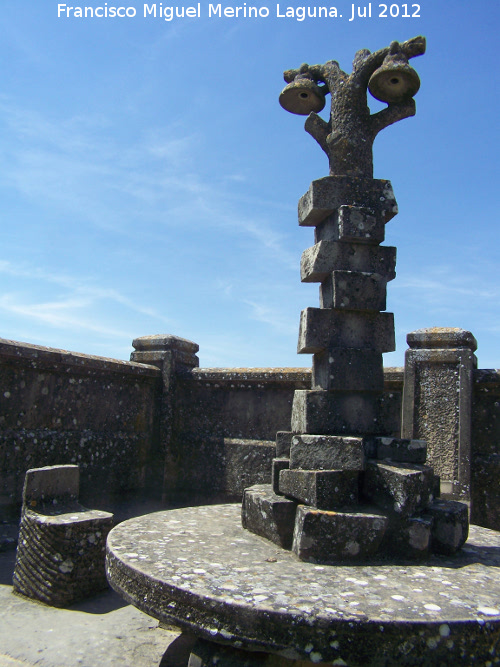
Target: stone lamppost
[(344, 487)]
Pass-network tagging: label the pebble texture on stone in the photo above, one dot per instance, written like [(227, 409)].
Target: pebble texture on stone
[(197, 568), (60, 553)]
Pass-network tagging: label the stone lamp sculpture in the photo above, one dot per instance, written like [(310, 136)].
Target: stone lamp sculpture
[(344, 487), (347, 138)]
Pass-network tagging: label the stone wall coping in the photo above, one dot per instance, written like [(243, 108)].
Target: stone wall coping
[(231, 375), (394, 375), (441, 337), (165, 342), (62, 360), (55, 358), (487, 376)]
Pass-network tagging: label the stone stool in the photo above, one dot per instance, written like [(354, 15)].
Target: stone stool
[(61, 550)]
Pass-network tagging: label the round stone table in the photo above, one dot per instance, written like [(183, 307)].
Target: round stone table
[(198, 569)]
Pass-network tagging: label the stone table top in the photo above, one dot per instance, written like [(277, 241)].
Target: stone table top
[(199, 569)]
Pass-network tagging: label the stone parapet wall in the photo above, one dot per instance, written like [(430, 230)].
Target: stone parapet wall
[(226, 421), (485, 463), (60, 407), (212, 431), (240, 402), (225, 426), (253, 402)]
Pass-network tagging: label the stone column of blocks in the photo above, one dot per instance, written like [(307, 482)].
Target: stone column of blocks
[(347, 336), (437, 402), (342, 490), (174, 356), (348, 333)]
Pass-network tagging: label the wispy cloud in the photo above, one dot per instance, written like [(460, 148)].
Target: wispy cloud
[(74, 166), (75, 307), (61, 314), (149, 190), (269, 313), (450, 286), (224, 286)]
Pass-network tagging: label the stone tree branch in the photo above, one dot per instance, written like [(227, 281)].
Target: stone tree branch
[(392, 114), (319, 129)]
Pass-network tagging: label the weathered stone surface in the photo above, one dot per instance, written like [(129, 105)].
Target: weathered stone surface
[(323, 329), (450, 525), (115, 405), (65, 407), (353, 224), (354, 290), (347, 138), (266, 514), (402, 488), (157, 349), (198, 569), (208, 654), (325, 195), (51, 483), (322, 412), (60, 557), (239, 462), (402, 450), (217, 408), (327, 452), (437, 403), (326, 256), (283, 442), (409, 537), (323, 489), (486, 491), (331, 537), (347, 369), (441, 338), (60, 553), (278, 466)]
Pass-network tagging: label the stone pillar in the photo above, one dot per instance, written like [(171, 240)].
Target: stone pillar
[(437, 402), (174, 356), (357, 492), (348, 333)]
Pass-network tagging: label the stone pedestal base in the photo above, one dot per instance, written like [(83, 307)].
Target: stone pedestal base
[(338, 499), (208, 654), (200, 570)]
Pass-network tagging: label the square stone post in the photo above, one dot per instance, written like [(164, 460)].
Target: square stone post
[(437, 403), (174, 356)]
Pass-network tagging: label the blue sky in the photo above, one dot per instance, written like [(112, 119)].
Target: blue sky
[(149, 178)]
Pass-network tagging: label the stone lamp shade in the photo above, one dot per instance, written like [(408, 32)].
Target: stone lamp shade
[(302, 96), (395, 80)]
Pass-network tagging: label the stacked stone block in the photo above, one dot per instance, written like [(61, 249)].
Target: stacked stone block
[(356, 493), (348, 333)]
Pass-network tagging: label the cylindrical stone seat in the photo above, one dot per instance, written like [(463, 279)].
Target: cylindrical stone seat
[(61, 550)]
